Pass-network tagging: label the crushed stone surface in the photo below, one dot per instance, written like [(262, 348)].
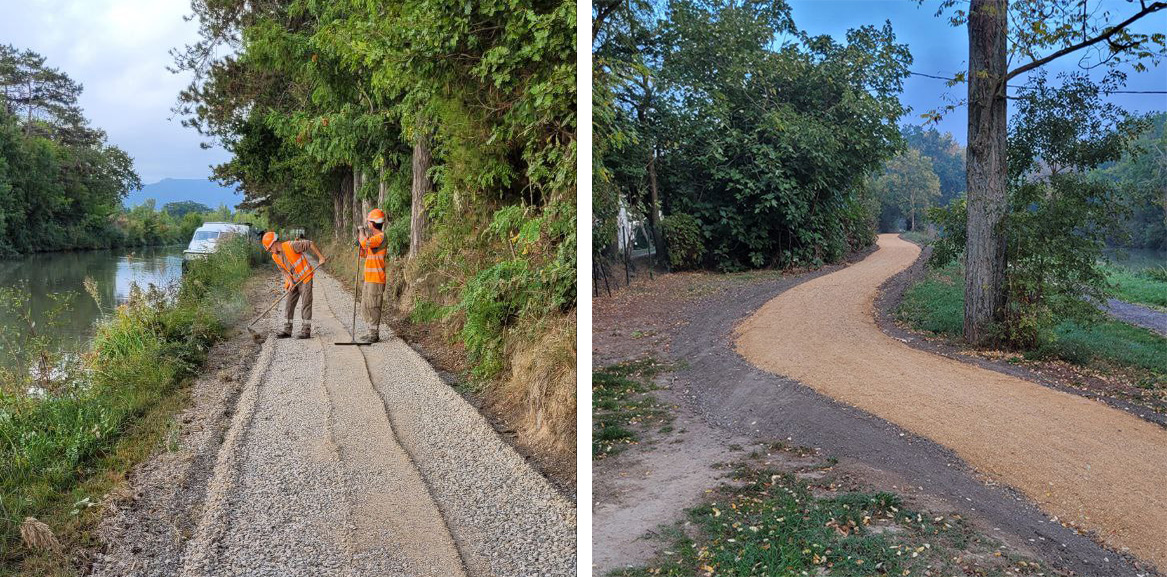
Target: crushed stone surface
[(1080, 461), (344, 460)]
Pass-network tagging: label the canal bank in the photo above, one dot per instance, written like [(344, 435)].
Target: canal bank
[(63, 452)]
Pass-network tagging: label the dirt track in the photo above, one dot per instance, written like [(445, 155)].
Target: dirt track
[(1086, 463)]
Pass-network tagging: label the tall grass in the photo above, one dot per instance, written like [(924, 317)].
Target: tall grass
[(54, 445)]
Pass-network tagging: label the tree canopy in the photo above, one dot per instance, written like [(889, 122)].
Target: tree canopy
[(729, 113)]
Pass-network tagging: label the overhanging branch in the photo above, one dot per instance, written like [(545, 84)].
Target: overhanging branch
[(1146, 9)]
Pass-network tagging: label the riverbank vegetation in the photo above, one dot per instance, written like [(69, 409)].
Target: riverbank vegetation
[(72, 425), (936, 305), (730, 114), (458, 120)]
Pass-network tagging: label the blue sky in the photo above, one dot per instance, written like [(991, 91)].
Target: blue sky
[(118, 49), (942, 50)]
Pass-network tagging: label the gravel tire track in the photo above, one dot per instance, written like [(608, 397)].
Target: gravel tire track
[(506, 519), (1079, 460), (1138, 315)]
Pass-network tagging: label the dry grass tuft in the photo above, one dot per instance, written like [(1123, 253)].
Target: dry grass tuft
[(540, 392), (38, 536)]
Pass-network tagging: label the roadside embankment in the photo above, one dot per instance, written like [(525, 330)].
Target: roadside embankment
[(514, 362)]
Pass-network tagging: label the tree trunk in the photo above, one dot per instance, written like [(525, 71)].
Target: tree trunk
[(381, 191), (658, 240), (421, 186), (358, 217), (984, 281), (338, 193)]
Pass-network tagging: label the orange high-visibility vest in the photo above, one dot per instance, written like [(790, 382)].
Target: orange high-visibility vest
[(374, 249), (292, 263)]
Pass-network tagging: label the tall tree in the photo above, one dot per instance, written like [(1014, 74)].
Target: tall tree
[(1043, 31)]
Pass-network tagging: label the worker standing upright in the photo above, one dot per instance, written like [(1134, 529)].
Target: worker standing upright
[(298, 272), (372, 240)]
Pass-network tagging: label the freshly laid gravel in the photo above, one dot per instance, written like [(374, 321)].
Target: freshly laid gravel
[(346, 460), (506, 519)]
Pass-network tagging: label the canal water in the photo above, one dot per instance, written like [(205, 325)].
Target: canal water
[(41, 276), (1137, 258)]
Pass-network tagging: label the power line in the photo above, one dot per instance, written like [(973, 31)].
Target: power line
[(1013, 86)]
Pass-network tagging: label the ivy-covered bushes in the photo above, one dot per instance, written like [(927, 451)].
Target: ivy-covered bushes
[(682, 235), (766, 145)]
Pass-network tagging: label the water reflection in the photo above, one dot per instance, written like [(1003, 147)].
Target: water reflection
[(113, 272)]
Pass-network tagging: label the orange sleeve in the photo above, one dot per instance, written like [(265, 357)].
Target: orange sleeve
[(373, 242)]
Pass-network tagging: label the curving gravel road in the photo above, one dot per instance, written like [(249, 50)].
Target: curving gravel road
[(1080, 460), (361, 461)]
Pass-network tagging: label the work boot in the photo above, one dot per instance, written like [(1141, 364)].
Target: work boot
[(287, 332), (305, 332), (371, 337)]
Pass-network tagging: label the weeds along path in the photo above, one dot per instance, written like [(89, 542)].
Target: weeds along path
[(1096, 467), (361, 461)]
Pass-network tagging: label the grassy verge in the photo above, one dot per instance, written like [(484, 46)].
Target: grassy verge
[(67, 440), (1146, 287), (622, 403), (767, 521), (936, 304)]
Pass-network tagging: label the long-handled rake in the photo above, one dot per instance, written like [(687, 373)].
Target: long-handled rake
[(257, 337), (356, 290)]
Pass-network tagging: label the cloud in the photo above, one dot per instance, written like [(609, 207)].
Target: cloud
[(119, 50)]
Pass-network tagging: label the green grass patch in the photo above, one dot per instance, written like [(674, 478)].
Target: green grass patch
[(772, 523), (622, 403), (918, 237), (1146, 287), (936, 304), (67, 440)]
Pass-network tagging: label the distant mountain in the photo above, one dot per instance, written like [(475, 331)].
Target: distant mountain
[(179, 189)]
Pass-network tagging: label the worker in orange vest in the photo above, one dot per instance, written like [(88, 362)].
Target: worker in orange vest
[(373, 248), (298, 272)]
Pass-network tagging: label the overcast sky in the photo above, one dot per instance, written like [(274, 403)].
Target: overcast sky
[(119, 50)]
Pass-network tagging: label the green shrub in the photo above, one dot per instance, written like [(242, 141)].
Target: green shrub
[(492, 300), (682, 235)]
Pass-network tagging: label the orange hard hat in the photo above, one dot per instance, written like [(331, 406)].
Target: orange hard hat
[(377, 215), (269, 238)]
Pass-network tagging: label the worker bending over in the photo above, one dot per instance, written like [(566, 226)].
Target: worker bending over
[(298, 272), (372, 240)]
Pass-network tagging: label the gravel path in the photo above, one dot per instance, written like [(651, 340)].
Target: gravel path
[(361, 461), (1138, 315), (1081, 461)]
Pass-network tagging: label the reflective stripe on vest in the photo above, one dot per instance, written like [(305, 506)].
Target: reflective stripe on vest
[(293, 263), (375, 259)]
